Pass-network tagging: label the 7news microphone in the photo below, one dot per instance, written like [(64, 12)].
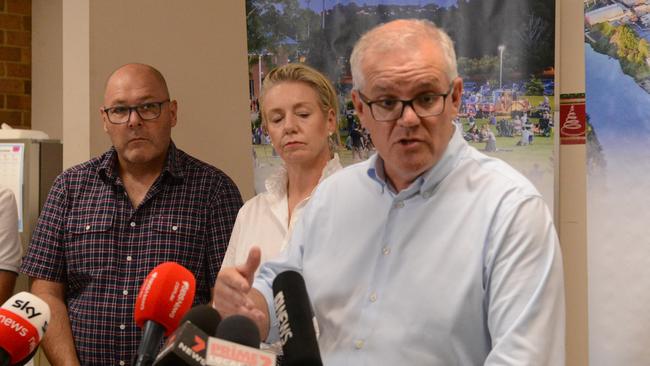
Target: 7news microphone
[(187, 345), (297, 324), (23, 321), (165, 296), (203, 340)]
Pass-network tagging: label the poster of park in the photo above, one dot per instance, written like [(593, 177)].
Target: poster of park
[(505, 51), (617, 75)]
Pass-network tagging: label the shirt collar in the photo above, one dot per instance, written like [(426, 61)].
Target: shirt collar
[(428, 180), (108, 165), (276, 184)]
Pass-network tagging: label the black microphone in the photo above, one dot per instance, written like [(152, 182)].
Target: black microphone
[(237, 342), (239, 329), (187, 345), (205, 317), (296, 320)]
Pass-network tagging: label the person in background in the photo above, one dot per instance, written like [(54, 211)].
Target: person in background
[(490, 141), (10, 249), (299, 107), (109, 221), (429, 252), (357, 144)]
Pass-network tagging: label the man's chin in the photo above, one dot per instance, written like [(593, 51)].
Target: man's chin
[(138, 157), (415, 165)]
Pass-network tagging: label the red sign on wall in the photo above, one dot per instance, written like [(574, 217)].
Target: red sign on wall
[(572, 119)]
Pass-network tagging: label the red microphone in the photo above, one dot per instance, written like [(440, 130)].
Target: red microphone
[(165, 296), (23, 321)]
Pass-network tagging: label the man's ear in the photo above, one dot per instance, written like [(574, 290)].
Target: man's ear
[(363, 112), (173, 112), (104, 119), (457, 93), (357, 102)]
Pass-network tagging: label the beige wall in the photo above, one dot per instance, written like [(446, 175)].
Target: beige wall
[(200, 48), (571, 176), (47, 67)]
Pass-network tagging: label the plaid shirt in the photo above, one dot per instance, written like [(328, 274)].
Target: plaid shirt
[(90, 237)]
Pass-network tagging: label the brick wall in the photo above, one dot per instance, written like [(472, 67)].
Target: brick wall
[(15, 62)]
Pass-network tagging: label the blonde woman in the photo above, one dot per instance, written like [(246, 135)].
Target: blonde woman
[(299, 112)]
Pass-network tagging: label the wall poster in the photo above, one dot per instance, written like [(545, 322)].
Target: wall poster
[(617, 63), (508, 70)]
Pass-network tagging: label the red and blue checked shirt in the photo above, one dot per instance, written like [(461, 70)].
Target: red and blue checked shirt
[(91, 237)]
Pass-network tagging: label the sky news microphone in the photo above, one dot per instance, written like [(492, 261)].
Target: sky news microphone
[(186, 346), (296, 321), (23, 321), (165, 296), (237, 342)]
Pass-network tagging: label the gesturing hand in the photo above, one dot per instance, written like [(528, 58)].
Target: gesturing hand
[(233, 286)]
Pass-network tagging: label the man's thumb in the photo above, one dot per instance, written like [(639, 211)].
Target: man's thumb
[(252, 262)]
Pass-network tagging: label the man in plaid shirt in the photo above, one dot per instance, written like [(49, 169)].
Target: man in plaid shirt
[(109, 221)]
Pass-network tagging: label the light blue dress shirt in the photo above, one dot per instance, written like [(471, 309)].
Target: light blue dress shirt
[(461, 268)]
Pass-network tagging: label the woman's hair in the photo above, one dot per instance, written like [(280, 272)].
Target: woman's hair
[(296, 72)]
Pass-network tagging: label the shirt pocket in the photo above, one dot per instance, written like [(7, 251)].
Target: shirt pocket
[(179, 238), (90, 246)]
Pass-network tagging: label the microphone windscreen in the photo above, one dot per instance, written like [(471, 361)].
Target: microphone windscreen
[(23, 322), (165, 296), (204, 317), (239, 329), (297, 325)]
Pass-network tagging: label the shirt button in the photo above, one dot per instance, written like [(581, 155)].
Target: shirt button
[(129, 258), (132, 224), (358, 344), (399, 204), (386, 251), (122, 326), (125, 292), (87, 227), (174, 227), (373, 297), (122, 363)]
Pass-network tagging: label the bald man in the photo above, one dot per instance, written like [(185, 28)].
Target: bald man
[(109, 221)]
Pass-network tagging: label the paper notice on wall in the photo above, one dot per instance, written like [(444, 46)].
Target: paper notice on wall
[(12, 157)]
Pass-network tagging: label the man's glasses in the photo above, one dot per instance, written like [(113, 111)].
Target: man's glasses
[(121, 114), (424, 105)]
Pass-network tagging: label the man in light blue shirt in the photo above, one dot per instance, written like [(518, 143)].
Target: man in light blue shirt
[(429, 253)]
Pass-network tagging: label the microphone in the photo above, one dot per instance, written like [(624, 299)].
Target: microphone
[(165, 296), (27, 359), (237, 343), (297, 323), (186, 346), (239, 329), (23, 321), (205, 317)]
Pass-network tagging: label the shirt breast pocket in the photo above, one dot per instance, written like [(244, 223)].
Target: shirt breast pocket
[(179, 238), (90, 246)]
